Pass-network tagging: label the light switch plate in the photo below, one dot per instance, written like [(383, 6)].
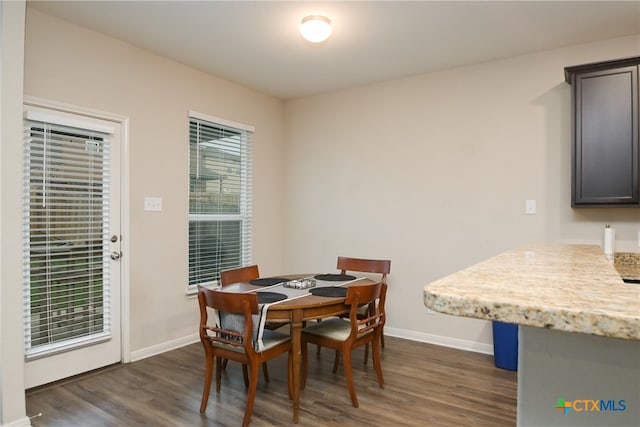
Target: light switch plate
[(530, 207), (153, 204)]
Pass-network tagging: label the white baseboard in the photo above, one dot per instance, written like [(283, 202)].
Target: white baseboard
[(393, 332), (439, 340), (161, 348), (22, 422)]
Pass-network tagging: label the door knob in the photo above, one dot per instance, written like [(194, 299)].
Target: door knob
[(115, 255)]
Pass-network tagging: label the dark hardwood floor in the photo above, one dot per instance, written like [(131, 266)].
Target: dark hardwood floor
[(425, 385)]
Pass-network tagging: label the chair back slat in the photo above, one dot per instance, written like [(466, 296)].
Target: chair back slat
[(226, 336), (228, 301), (379, 266), (237, 275), (363, 294)]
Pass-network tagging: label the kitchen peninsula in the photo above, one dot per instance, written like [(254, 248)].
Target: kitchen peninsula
[(579, 337)]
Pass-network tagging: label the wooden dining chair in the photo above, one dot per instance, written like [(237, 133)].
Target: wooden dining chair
[(220, 343), (377, 266), (363, 265), (344, 335), (244, 275)]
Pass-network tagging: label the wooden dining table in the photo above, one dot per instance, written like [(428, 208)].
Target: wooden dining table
[(296, 311)]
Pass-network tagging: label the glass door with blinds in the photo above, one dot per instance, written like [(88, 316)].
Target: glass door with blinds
[(71, 244)]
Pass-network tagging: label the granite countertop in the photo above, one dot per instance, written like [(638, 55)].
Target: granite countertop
[(627, 264), (572, 288)]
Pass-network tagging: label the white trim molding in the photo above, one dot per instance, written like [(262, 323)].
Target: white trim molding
[(441, 340), (22, 422), (154, 350), (392, 332)]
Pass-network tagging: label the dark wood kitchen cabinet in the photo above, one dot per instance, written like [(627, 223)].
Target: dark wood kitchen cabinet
[(605, 133)]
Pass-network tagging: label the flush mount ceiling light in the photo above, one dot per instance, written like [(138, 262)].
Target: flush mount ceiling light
[(315, 28)]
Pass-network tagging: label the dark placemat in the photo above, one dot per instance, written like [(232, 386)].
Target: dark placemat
[(335, 277), (329, 291), (269, 297), (268, 281)]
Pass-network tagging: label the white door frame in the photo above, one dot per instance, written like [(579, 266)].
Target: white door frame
[(123, 121)]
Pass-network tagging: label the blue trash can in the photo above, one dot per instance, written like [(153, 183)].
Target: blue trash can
[(505, 345)]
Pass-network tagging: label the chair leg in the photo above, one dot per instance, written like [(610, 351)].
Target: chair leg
[(336, 361), (366, 349), (245, 375), (224, 364), (348, 375), (265, 371), (253, 385), (208, 373), (376, 361), (218, 373)]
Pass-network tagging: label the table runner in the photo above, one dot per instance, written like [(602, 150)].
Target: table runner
[(291, 293)]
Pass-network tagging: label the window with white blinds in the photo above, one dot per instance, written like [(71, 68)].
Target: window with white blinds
[(219, 198), (65, 250)]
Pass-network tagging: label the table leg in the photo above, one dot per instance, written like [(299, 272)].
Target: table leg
[(296, 350)]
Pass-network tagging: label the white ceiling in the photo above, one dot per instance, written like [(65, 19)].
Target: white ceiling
[(257, 44)]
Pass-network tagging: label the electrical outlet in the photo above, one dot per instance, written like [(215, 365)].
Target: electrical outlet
[(153, 204)]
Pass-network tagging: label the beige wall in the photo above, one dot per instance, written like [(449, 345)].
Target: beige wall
[(433, 172), (69, 64)]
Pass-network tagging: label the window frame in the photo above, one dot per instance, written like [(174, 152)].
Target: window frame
[(244, 216)]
